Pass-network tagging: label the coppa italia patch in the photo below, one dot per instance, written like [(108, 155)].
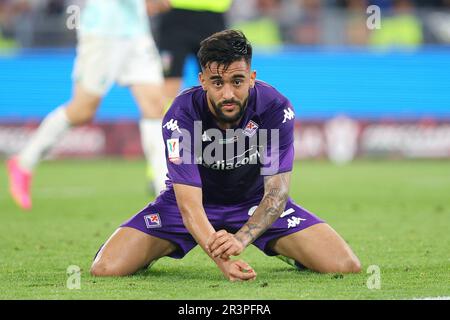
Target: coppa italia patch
[(250, 128), (152, 220), (173, 150)]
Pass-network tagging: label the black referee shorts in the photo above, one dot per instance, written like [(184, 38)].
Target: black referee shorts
[(179, 33)]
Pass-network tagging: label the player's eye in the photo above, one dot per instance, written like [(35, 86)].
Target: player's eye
[(237, 82), (217, 83)]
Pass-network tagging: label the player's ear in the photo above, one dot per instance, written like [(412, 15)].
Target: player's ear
[(201, 79), (252, 78)]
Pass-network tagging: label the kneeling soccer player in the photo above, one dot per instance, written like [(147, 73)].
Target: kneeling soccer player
[(218, 195)]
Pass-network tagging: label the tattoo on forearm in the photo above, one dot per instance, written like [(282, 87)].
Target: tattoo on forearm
[(269, 210), (247, 233)]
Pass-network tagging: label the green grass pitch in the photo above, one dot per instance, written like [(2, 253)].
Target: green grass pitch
[(395, 215)]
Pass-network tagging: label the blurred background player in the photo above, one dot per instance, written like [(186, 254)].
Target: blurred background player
[(179, 27), (114, 45)]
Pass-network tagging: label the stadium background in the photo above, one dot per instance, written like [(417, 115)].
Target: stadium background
[(393, 81), (379, 96)]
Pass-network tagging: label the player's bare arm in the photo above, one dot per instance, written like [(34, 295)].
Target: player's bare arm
[(276, 191), (189, 201)]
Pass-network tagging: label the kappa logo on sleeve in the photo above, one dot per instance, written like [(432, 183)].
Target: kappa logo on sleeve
[(172, 125), (152, 221), (288, 114)]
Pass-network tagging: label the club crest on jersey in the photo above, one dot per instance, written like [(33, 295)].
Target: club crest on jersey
[(173, 150), (152, 221), (250, 128)]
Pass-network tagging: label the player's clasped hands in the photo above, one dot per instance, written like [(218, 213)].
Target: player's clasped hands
[(223, 244), (238, 270)]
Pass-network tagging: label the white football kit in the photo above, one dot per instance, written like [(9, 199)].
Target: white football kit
[(115, 45)]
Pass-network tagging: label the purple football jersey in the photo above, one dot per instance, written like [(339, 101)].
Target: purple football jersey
[(229, 165)]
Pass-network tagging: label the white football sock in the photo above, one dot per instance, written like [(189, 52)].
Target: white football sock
[(48, 133), (154, 150)]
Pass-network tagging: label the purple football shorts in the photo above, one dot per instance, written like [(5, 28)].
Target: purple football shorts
[(162, 219)]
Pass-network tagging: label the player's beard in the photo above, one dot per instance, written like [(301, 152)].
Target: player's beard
[(222, 117)]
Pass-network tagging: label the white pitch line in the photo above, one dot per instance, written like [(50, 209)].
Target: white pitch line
[(433, 298)]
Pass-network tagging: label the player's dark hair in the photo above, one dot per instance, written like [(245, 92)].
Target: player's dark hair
[(225, 47)]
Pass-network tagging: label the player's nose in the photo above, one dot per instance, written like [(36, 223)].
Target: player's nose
[(227, 93)]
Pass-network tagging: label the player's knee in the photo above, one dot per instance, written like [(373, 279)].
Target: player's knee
[(347, 264), (98, 269), (350, 265), (101, 269)]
